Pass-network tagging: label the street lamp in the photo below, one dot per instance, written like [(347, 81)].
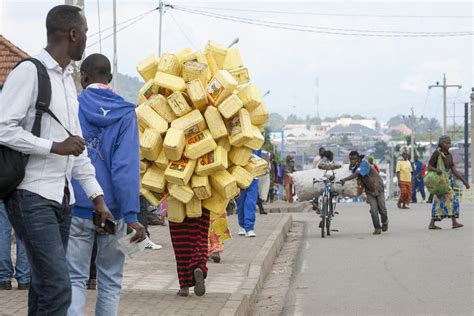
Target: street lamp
[(266, 93), (235, 41)]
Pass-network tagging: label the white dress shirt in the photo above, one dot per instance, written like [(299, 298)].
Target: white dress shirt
[(46, 173)]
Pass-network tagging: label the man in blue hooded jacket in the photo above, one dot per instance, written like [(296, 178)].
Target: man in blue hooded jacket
[(110, 129)]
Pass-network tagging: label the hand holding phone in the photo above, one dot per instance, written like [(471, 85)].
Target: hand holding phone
[(110, 226)]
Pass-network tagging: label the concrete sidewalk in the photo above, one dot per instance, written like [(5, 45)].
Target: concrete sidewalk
[(150, 281)]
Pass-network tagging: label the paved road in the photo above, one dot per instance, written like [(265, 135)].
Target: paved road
[(407, 271)]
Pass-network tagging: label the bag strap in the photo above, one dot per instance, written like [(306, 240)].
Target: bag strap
[(44, 97)]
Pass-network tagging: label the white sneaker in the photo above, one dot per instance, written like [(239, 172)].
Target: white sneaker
[(241, 231), (250, 233), (151, 245)]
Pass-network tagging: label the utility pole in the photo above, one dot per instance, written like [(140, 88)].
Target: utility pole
[(76, 75), (466, 141), (445, 87), (413, 128), (472, 133), (161, 7), (114, 75)]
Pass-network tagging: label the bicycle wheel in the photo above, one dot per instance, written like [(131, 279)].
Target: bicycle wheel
[(324, 212), (329, 218)]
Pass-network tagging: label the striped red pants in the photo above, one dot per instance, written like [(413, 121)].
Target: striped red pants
[(189, 240)]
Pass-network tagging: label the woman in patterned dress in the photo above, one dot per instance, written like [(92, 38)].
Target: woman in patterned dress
[(447, 205)]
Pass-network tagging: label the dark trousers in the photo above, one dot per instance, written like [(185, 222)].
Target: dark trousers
[(44, 225), (378, 210)]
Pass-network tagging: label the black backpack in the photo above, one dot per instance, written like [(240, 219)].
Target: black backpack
[(12, 162)]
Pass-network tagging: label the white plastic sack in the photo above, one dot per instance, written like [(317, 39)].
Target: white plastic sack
[(307, 191)]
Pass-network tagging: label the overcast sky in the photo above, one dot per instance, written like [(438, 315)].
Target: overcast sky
[(371, 76)]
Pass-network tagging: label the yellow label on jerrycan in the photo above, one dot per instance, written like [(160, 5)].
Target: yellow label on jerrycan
[(180, 172), (199, 144), (191, 123), (167, 84), (147, 67), (211, 162), (220, 87), (194, 208), (201, 187), (160, 105), (174, 143), (197, 94), (148, 90), (176, 210), (215, 123), (240, 128), (151, 144)]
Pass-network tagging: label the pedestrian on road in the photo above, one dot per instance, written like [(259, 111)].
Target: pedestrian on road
[(110, 128), (418, 178), (447, 205), (288, 180), (40, 207), (374, 188), (21, 271), (373, 164), (218, 233), (190, 243), (404, 176), (318, 157)]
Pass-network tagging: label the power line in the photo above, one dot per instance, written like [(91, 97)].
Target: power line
[(183, 32), (323, 30), (335, 14), (123, 22), (121, 29)]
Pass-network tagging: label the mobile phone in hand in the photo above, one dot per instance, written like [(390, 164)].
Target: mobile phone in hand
[(110, 225)]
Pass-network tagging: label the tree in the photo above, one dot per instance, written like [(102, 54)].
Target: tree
[(292, 119), (381, 149), (275, 122)]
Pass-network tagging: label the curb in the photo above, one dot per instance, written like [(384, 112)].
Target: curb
[(241, 301), (288, 208)]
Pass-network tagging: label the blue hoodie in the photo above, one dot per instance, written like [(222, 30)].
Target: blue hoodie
[(110, 129)]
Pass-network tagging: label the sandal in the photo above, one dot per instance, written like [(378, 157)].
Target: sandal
[(434, 227), (184, 292), (199, 286)]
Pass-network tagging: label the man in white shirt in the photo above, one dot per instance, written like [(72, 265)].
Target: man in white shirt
[(40, 208)]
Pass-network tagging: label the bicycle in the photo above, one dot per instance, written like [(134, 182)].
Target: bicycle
[(328, 203)]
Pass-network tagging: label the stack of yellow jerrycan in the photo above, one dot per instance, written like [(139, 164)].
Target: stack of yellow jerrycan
[(199, 119)]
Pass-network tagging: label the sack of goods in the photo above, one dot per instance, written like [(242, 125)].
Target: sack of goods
[(199, 118)]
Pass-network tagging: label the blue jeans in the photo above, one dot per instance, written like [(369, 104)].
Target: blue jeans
[(43, 225), (110, 261), (22, 268), (247, 205), (418, 183)]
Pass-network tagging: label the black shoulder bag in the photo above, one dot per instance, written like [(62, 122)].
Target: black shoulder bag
[(13, 163)]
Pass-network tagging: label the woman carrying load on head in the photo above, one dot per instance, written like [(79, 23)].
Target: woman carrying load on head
[(445, 205)]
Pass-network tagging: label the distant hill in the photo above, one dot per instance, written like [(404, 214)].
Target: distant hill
[(128, 87)]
